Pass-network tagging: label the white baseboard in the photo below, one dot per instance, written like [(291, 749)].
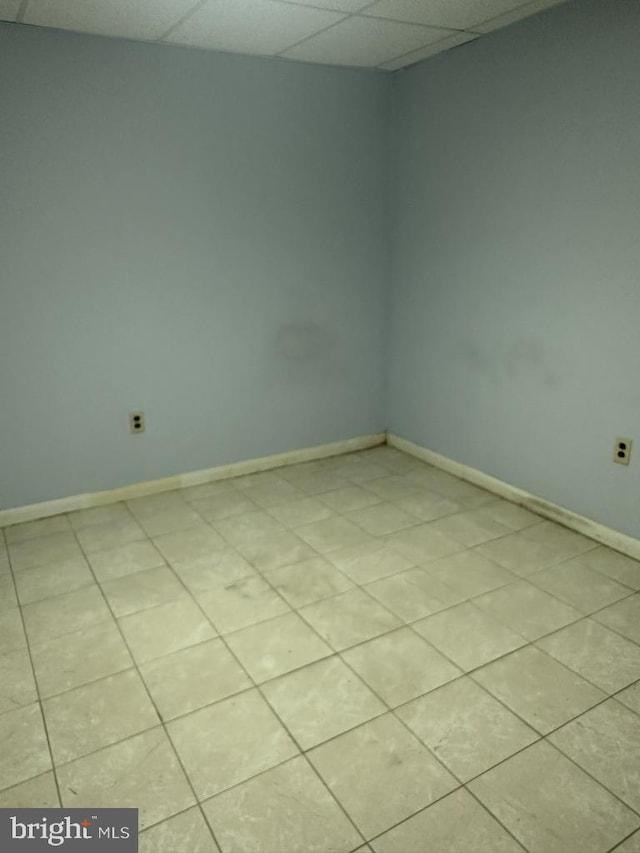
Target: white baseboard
[(193, 478), (594, 530)]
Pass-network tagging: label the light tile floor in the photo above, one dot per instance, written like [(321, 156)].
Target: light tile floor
[(359, 653)]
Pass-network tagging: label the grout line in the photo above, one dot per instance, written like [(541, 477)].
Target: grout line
[(33, 675)]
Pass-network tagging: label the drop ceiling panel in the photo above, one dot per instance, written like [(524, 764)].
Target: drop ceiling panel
[(9, 9), (430, 50), (349, 6), (516, 15), (251, 26), (143, 19), (363, 41), (455, 14)]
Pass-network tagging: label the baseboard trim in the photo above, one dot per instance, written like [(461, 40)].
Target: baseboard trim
[(32, 512), (627, 545)]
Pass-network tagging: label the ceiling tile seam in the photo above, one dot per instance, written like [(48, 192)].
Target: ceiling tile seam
[(324, 8), (182, 19), (502, 14), (411, 23), (433, 44), (346, 17)]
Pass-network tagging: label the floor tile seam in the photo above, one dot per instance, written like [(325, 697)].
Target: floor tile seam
[(151, 699), (36, 685), (635, 810), (618, 844), (123, 504), (628, 592), (535, 643)]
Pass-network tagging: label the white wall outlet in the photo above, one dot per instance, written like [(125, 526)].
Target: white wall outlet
[(622, 451), (136, 422)]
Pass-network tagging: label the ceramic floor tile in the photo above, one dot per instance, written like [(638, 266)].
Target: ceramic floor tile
[(8, 599), (241, 604), (383, 518), (614, 565), (208, 490), (455, 824), (246, 528), (169, 519), (96, 715), (400, 666), (519, 554), (74, 659), (318, 482), (539, 689), (164, 629), (280, 645), (82, 608), (623, 617), (579, 586), (17, 687), (469, 528), (468, 730), (33, 529), (468, 636), (470, 573), (348, 499), (427, 505), (37, 793), (192, 678), (414, 593), (287, 809), (266, 495), (527, 610), (102, 536), (422, 544), (368, 561), (296, 513), (98, 515), (606, 743), (349, 618), (189, 544), (551, 806), (509, 514), (631, 845), (125, 560), (221, 568), (141, 772), (216, 507), (53, 548), (142, 590), (381, 774), (229, 742), (631, 697), (182, 833), (12, 636), (308, 581), (393, 487), (25, 752), (321, 700), (566, 543), (332, 533), (280, 548), (603, 657), (42, 582)]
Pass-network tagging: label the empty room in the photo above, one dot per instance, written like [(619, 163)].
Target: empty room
[(320, 426)]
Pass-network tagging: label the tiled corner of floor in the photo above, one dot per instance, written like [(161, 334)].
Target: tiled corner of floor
[(359, 654)]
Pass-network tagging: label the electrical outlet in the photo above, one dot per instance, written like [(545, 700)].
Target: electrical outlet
[(136, 422), (622, 451)]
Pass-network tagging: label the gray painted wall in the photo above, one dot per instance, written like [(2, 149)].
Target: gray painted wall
[(516, 324), (201, 236)]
